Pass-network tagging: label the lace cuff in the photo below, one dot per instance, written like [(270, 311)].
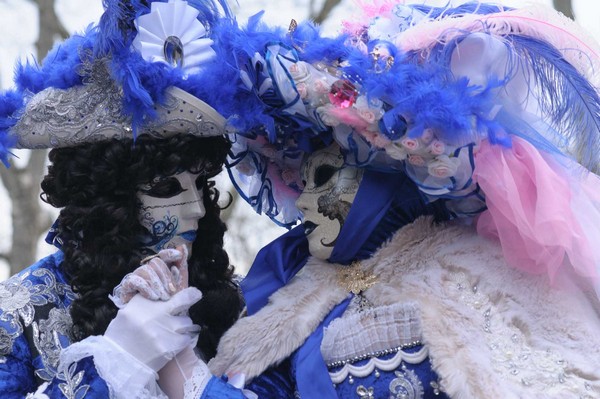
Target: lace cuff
[(125, 376), (196, 384)]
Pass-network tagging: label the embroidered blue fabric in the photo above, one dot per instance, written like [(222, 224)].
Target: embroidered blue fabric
[(34, 328), (407, 381)]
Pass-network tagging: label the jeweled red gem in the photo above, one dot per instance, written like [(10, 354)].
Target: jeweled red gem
[(343, 94)]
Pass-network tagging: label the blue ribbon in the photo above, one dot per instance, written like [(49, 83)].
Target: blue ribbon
[(372, 201), (312, 376), (275, 265)]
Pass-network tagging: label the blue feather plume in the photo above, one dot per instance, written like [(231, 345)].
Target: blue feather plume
[(472, 7), (10, 103), (566, 98)]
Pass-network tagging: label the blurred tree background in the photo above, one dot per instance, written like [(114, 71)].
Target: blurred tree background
[(24, 218)]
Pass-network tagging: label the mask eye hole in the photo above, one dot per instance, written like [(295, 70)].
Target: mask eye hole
[(163, 188), (200, 182), (323, 174)]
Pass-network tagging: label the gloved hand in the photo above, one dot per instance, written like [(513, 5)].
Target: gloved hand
[(153, 331), (158, 278)]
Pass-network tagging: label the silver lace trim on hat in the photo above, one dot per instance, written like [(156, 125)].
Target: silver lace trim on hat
[(93, 112)]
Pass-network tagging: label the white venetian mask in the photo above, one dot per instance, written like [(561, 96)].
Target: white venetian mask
[(330, 188), (170, 210)]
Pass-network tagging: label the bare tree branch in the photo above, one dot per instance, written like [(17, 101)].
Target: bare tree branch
[(564, 6), (22, 183), (50, 27), (325, 11)]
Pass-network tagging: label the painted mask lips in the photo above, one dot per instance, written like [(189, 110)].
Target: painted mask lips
[(188, 235), (309, 227)]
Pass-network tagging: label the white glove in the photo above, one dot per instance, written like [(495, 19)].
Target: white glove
[(152, 331), (158, 278)]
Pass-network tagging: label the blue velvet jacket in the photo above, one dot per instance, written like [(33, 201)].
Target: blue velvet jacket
[(35, 325)]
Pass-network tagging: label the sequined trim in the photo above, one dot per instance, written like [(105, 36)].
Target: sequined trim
[(512, 356), (373, 354), (375, 364)]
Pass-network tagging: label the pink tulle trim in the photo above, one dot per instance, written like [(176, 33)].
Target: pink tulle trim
[(530, 210)]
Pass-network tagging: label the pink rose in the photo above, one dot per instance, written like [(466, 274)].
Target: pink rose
[(367, 115), (443, 166), (302, 90), (437, 147), (410, 144), (322, 87), (427, 136), (299, 71), (245, 168), (416, 160)]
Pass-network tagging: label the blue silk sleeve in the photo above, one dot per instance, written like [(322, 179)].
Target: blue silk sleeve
[(275, 383), (220, 389)]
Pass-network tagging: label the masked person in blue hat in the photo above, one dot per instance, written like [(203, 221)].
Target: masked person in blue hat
[(135, 142)]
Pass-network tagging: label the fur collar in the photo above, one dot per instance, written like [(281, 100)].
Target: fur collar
[(476, 314)]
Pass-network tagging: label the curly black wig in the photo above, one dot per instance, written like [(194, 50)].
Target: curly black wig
[(96, 185)]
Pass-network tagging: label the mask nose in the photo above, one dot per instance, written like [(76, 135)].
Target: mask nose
[(193, 200), (196, 205), (303, 202)]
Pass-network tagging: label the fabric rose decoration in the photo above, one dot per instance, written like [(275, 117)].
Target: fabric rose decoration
[(443, 166)]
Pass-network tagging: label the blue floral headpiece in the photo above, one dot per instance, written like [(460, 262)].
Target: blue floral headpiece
[(415, 90)]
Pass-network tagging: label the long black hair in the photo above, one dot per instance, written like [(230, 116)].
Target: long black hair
[(96, 186)]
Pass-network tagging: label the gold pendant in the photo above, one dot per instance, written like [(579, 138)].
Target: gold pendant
[(354, 279)]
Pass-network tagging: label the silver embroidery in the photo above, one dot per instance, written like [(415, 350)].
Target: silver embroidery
[(47, 336), (19, 297), (71, 387), (406, 385), (93, 111)]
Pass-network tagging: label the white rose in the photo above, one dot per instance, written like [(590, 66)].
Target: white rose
[(300, 71), (327, 118), (396, 151), (302, 90), (443, 166)]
